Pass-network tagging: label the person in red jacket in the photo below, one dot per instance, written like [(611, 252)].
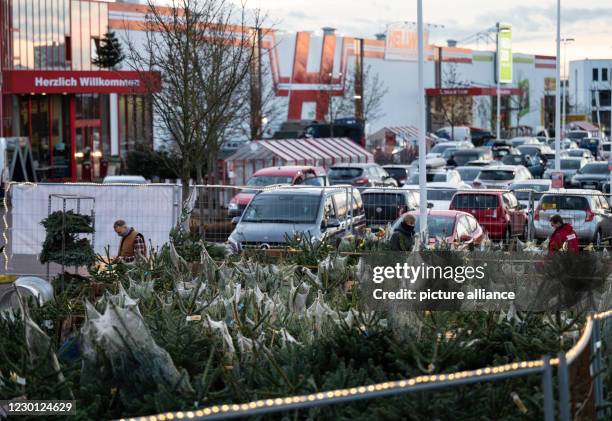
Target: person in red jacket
[(563, 233)]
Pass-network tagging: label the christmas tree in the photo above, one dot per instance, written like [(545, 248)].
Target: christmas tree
[(109, 52)]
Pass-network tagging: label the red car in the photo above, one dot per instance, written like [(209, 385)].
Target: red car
[(456, 227), (296, 174), (498, 212)]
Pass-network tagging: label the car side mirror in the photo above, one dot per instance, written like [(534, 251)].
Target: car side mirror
[(430, 205), (235, 220)]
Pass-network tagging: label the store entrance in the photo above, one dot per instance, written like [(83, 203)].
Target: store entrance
[(89, 152)]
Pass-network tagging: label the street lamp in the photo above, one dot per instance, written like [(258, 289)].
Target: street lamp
[(565, 41), (558, 93), (421, 127)]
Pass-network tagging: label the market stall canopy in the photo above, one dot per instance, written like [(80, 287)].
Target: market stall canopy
[(398, 135), (323, 152)]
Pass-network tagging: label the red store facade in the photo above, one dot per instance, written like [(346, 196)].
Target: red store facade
[(77, 116)]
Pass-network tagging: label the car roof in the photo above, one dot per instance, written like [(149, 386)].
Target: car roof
[(544, 182), (471, 151), (587, 192), (122, 178), (287, 170), (443, 184), (469, 167), (389, 190), (433, 212), (407, 166), (355, 165), (502, 168), (284, 189), (481, 191)]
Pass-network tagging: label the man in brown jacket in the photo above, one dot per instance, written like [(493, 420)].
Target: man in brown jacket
[(132, 242)]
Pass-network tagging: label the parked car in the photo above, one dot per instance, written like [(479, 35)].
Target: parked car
[(581, 153), (564, 144), (455, 227), (499, 213), (587, 211), (294, 174), (273, 216), (524, 190), (606, 147), (400, 173), (501, 176), (124, 179), (361, 175), (591, 176), (569, 168), (480, 136), (383, 206), (468, 173), (535, 165), (502, 151), (577, 135), (438, 150), (524, 140), (439, 195), (439, 175), (463, 156), (454, 133)]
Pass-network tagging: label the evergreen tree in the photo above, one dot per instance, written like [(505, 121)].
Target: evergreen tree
[(109, 52)]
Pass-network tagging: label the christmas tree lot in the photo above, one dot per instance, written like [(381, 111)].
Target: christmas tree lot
[(193, 327)]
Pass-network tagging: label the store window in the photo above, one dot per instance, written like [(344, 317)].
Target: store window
[(595, 74), (604, 74)]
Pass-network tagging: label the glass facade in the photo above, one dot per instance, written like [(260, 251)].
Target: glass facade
[(69, 133), (53, 34)]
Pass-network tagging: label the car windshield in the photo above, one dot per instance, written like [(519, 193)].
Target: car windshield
[(576, 152), (530, 151), (475, 201), (268, 180), (438, 226), (595, 168), (441, 148), (283, 208), (448, 153), (513, 160), (570, 164), (383, 199), (314, 181), (498, 175), (396, 172), (440, 194), (431, 177), (345, 172), (522, 191), (576, 135), (468, 174), (464, 158)]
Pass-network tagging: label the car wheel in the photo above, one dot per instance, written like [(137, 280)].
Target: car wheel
[(507, 235), (598, 240)]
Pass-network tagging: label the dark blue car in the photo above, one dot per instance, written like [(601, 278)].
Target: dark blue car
[(593, 144)]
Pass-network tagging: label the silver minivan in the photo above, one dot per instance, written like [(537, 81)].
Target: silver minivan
[(275, 215), (587, 211)]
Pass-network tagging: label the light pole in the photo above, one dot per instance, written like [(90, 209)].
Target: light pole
[(565, 41), (558, 93), (421, 127)]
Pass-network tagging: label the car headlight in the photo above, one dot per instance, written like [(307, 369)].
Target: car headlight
[(233, 206)]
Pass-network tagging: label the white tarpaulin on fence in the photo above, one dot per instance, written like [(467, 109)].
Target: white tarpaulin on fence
[(152, 209)]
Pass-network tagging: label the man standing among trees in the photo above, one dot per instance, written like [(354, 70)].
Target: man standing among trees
[(132, 244)]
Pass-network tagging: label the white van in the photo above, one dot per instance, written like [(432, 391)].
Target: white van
[(455, 133)]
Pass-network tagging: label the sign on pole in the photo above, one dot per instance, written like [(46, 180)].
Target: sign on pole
[(504, 53), (556, 179)]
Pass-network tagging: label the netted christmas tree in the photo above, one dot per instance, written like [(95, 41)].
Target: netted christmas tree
[(63, 243)]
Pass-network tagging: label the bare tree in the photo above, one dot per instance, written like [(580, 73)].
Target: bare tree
[(374, 92), (454, 110), (204, 50), (521, 104)]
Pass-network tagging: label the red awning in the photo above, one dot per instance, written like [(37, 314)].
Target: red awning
[(323, 152), (80, 82)]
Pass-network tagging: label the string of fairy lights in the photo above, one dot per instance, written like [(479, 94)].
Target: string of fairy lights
[(245, 409)]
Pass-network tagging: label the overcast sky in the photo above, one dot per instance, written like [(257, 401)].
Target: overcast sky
[(588, 21)]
